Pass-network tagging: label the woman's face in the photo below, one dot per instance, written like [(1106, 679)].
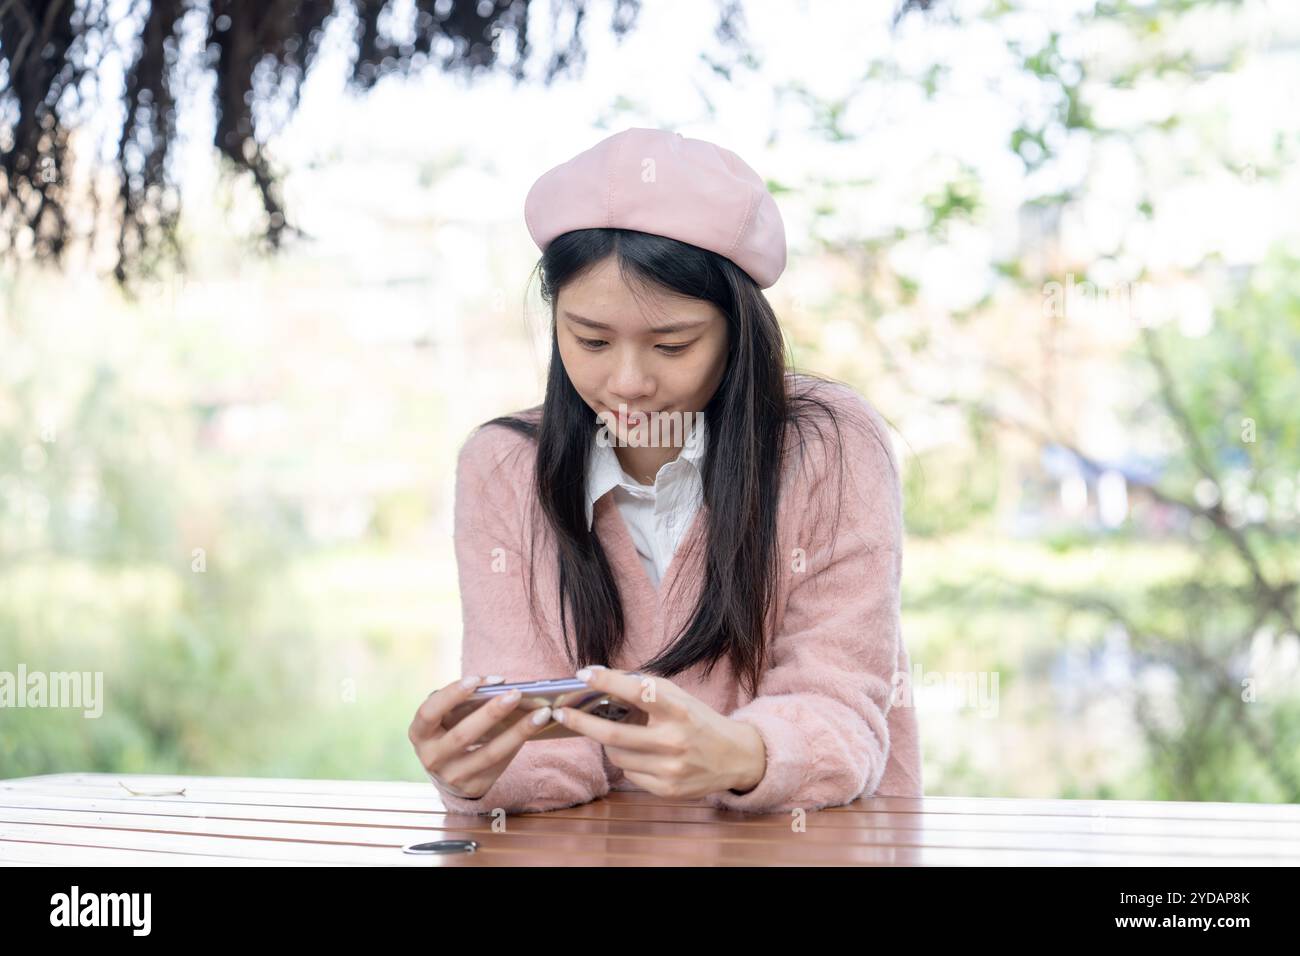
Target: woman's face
[(656, 353)]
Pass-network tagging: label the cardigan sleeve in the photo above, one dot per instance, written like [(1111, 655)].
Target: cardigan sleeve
[(500, 636), (822, 704)]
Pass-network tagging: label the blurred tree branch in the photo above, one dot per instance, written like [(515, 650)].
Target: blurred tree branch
[(260, 52)]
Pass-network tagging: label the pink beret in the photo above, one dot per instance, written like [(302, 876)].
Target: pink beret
[(655, 181)]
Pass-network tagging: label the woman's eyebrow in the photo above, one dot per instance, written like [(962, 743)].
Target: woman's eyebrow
[(657, 329)]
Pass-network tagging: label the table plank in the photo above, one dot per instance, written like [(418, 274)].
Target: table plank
[(701, 821), (668, 840), (257, 788), (660, 840), (266, 821), (22, 853)]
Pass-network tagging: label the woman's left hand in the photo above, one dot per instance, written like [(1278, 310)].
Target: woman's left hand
[(686, 749)]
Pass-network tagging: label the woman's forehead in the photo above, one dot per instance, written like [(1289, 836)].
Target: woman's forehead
[(607, 300)]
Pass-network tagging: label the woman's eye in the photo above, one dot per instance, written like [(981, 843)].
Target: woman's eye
[(595, 344)]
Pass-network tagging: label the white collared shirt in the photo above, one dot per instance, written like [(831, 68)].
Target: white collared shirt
[(659, 515)]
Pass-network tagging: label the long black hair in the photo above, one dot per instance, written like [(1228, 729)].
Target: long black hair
[(748, 417)]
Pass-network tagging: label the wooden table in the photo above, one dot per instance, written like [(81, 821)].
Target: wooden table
[(94, 819)]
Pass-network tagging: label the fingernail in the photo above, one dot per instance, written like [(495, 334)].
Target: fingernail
[(542, 716), (468, 682), (494, 679), (558, 716), (583, 674), (511, 697)]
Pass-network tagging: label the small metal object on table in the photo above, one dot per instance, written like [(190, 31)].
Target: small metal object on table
[(134, 820)]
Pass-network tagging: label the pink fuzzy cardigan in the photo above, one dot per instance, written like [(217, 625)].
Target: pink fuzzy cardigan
[(834, 721)]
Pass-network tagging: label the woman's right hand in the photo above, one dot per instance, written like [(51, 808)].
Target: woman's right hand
[(447, 756)]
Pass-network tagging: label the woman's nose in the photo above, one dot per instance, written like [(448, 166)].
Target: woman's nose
[(630, 380)]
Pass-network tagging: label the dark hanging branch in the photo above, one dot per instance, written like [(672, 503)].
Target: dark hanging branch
[(260, 52), (36, 41)]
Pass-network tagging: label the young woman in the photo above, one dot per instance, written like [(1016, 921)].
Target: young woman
[(748, 567)]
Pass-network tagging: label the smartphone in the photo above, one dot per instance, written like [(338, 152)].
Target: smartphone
[(441, 846), (536, 694)]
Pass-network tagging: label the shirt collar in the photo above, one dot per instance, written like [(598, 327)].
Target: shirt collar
[(604, 472)]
